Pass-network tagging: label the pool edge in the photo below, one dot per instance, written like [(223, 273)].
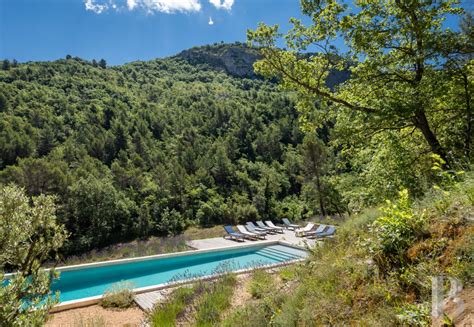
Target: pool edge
[(155, 256), (88, 301)]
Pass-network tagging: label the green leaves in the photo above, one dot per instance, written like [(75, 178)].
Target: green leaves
[(394, 232), (29, 235), (400, 95)]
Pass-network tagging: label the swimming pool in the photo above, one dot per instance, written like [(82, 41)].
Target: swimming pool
[(92, 280)]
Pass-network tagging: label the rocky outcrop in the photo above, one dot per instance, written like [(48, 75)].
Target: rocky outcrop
[(235, 59)]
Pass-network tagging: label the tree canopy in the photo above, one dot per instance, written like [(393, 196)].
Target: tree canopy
[(402, 78)]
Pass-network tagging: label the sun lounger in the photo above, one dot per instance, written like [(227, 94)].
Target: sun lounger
[(301, 232), (247, 234), (269, 229), (272, 225), (289, 225), (255, 230), (233, 235), (321, 228), (328, 232)]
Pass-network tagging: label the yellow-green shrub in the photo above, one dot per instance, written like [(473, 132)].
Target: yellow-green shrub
[(119, 295)]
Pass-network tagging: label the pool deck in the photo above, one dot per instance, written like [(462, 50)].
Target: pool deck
[(147, 301), (220, 242)]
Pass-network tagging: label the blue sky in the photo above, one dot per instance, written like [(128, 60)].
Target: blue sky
[(50, 29), (126, 30)]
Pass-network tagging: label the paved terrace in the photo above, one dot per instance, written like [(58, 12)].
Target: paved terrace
[(220, 242)]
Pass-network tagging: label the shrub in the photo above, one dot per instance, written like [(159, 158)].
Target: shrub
[(288, 273), (394, 232), (415, 314), (262, 284), (215, 301), (165, 315), (293, 208), (172, 222), (119, 295), (251, 315)]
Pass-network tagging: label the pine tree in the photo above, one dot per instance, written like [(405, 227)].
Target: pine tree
[(6, 64), (102, 63)]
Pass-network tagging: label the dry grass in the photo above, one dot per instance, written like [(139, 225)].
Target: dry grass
[(139, 248), (196, 233)]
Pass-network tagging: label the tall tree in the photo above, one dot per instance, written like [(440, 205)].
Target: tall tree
[(460, 66), (396, 51), (314, 159)]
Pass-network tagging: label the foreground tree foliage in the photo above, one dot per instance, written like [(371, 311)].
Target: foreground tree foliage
[(411, 78), (29, 235)]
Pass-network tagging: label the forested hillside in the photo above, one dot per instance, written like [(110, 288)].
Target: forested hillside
[(148, 148)]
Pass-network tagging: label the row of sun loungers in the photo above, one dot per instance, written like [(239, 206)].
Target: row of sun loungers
[(311, 231), (259, 231)]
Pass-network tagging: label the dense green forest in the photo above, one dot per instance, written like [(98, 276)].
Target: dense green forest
[(148, 148)]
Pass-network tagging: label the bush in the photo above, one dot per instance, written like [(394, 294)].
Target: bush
[(262, 284), (215, 301), (119, 295), (394, 232), (415, 314), (214, 210), (293, 208), (165, 315), (288, 273), (172, 222), (251, 315)]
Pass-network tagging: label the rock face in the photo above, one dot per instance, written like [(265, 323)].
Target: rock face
[(236, 59)]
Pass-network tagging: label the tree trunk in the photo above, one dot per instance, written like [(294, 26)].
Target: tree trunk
[(421, 122), (469, 119), (320, 196)]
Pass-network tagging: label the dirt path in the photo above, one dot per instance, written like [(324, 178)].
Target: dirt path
[(96, 316), (241, 294), (466, 317)]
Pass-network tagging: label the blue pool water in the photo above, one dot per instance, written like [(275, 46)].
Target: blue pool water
[(92, 281)]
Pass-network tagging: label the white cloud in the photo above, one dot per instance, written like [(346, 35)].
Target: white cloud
[(170, 6), (131, 4), (165, 6), (152, 6), (211, 22), (222, 4), (93, 6)]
